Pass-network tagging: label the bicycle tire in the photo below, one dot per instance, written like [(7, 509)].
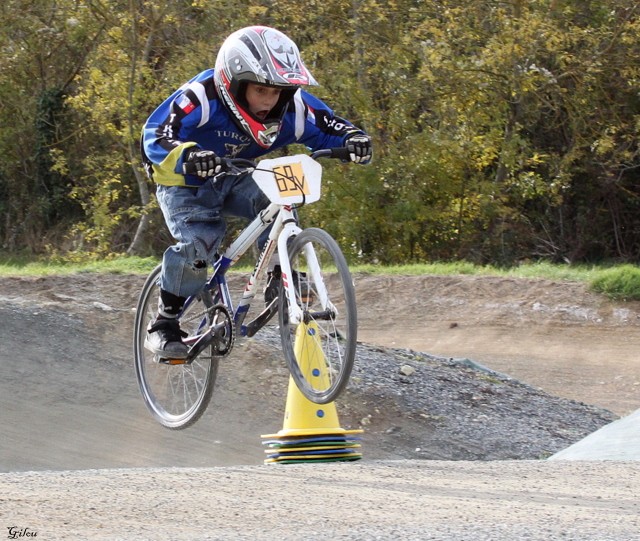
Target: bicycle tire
[(176, 395), (336, 333)]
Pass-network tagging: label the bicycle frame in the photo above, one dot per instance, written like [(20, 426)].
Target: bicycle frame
[(284, 224)]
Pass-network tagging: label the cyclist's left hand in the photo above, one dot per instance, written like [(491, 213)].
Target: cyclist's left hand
[(360, 149)]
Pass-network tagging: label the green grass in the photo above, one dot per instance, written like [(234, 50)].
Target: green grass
[(29, 266), (530, 270), (620, 282)]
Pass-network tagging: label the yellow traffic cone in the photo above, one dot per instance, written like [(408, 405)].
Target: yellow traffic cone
[(311, 432)]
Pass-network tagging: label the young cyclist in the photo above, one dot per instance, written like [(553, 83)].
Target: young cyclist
[(250, 104)]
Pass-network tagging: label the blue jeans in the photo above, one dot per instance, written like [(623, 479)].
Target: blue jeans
[(195, 218)]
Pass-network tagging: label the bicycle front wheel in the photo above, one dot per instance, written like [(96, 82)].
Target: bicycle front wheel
[(176, 394), (320, 352)]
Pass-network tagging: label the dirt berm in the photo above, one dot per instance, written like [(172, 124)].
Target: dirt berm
[(463, 385)]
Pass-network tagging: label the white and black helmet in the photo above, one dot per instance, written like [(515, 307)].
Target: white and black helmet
[(262, 55)]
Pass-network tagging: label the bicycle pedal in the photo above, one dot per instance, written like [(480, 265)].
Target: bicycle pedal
[(171, 362)]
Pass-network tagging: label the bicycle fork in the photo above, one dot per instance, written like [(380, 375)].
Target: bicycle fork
[(296, 314)]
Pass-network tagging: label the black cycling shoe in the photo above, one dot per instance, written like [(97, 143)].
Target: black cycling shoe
[(164, 338)]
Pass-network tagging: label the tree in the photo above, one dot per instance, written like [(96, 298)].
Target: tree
[(45, 45), (503, 130)]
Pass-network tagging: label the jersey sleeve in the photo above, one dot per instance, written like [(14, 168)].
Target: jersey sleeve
[(317, 126), (168, 131)]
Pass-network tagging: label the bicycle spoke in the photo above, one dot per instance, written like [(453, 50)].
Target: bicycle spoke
[(327, 299), (176, 394)]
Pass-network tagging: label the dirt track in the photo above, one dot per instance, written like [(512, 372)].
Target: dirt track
[(74, 404), (554, 335), (390, 501)]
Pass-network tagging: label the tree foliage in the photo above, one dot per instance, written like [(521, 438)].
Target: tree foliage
[(503, 130)]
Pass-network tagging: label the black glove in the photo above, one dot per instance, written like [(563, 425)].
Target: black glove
[(202, 163), (359, 146)]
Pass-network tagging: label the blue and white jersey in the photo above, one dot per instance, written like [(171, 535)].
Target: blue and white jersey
[(195, 116)]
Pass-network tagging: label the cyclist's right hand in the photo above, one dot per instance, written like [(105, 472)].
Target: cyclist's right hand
[(202, 163)]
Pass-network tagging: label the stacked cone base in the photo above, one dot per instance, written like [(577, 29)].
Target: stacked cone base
[(322, 448)]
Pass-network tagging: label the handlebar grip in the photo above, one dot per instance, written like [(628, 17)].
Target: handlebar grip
[(341, 153)]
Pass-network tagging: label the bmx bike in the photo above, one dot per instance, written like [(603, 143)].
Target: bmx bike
[(315, 290)]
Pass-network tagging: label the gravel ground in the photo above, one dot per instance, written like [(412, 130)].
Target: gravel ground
[(383, 501)]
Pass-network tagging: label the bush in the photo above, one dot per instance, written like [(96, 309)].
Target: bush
[(619, 283)]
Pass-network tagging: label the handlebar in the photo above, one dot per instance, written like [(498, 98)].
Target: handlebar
[(237, 165), (340, 153)]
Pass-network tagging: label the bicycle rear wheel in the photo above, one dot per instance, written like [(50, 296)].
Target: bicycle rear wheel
[(176, 394), (329, 327)]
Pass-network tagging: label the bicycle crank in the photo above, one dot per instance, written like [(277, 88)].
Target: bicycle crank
[(220, 335)]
